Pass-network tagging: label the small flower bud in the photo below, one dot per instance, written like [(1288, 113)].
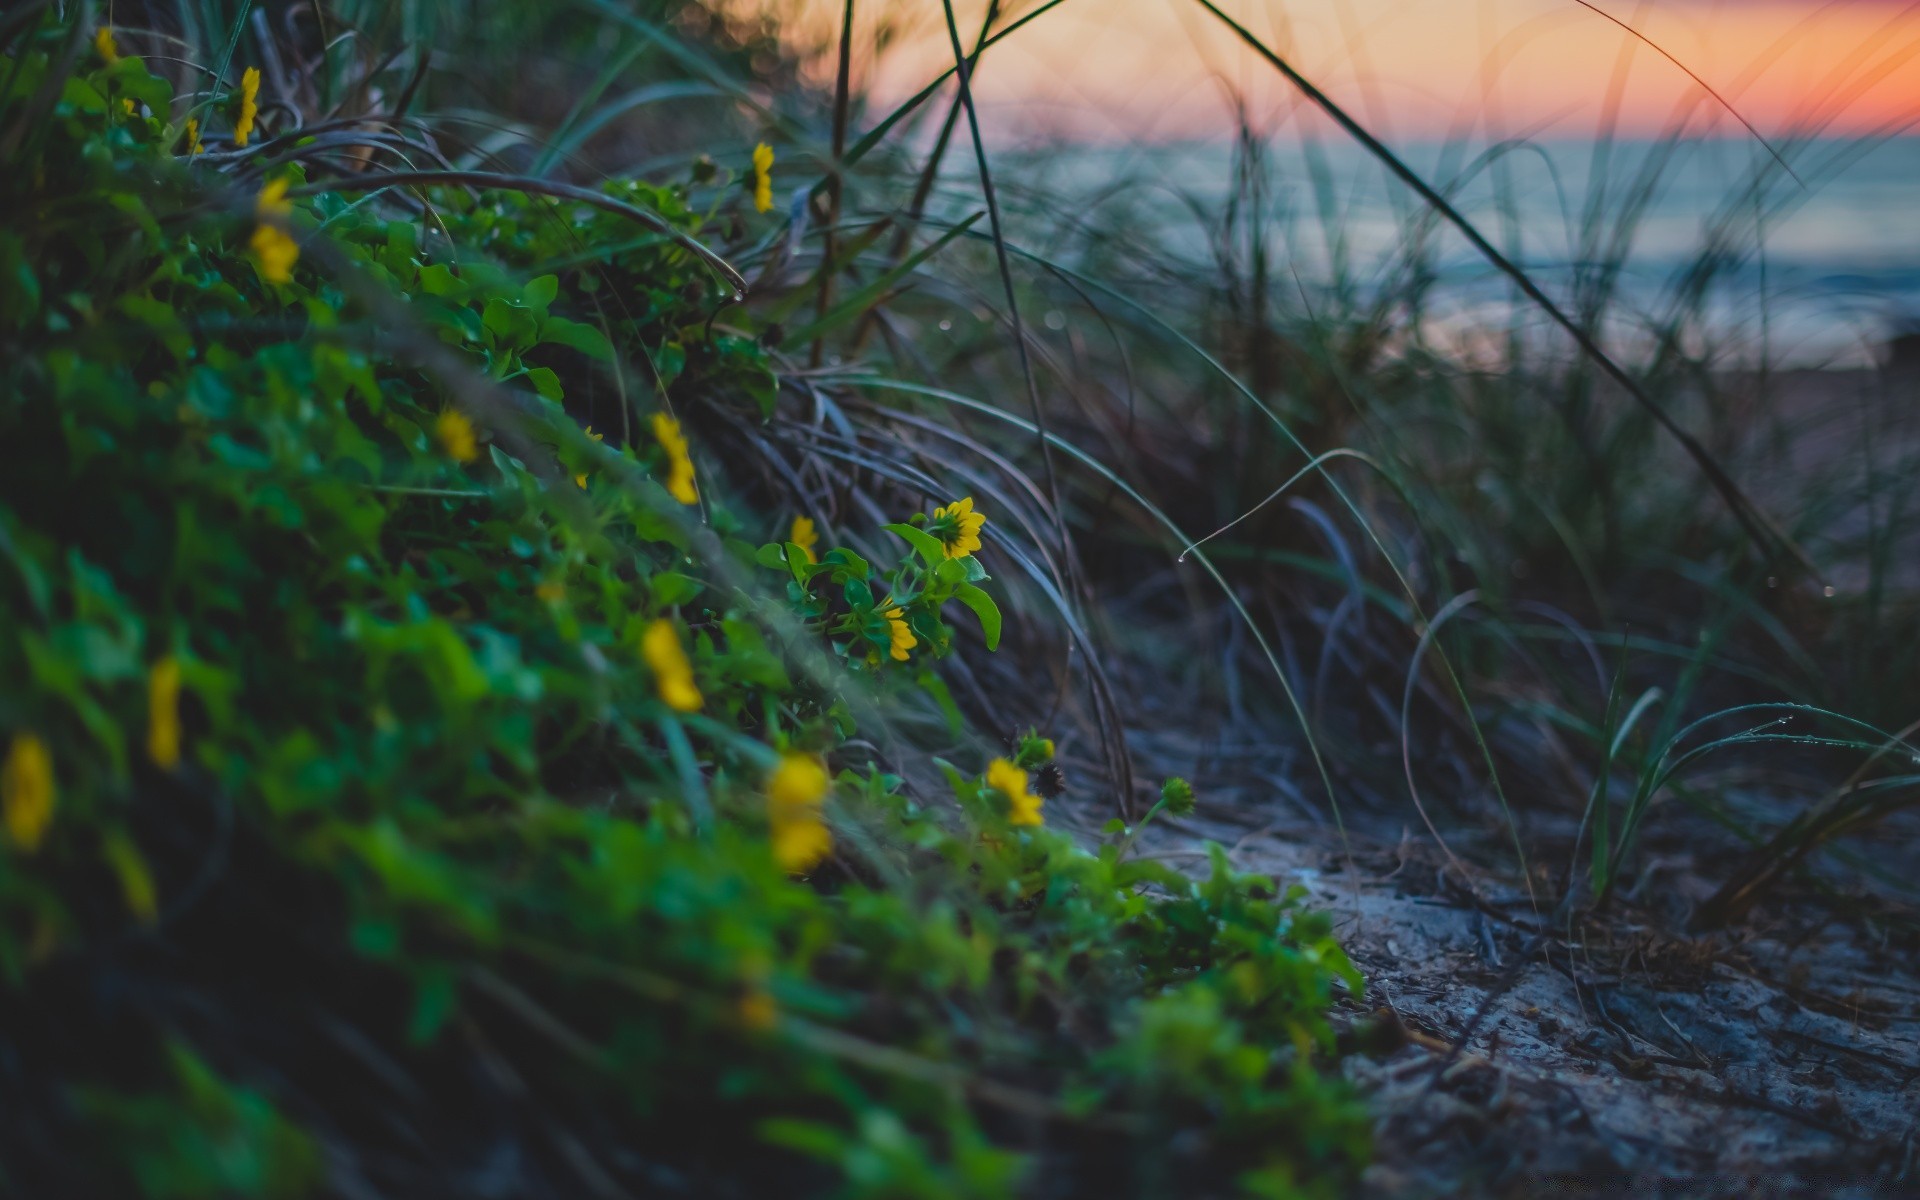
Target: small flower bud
[(1030, 749), (1176, 796)]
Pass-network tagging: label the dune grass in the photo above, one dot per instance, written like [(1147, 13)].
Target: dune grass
[(500, 693)]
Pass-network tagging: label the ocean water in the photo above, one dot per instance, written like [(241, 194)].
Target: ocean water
[(1818, 270)]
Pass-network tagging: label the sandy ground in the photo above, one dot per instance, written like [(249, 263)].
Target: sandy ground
[(1778, 1058)]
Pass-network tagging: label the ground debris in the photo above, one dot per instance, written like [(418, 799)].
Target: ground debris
[(1777, 1058)]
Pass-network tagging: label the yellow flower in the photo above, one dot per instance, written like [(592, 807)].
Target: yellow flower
[(1011, 782), (795, 792), (249, 105), (672, 673), (900, 634), (666, 431), (958, 527), (805, 536), (581, 479), (758, 1012), (274, 252), (26, 791), (163, 713), (762, 177), (550, 591), (272, 200), (104, 44), (456, 436), (193, 137)]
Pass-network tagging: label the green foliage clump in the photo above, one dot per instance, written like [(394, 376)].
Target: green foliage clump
[(407, 790)]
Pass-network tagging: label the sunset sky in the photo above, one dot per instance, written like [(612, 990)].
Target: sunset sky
[(1165, 68)]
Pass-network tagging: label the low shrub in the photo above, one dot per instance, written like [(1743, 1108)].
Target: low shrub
[(411, 791)]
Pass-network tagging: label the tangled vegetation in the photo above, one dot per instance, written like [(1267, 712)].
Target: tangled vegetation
[(427, 775)]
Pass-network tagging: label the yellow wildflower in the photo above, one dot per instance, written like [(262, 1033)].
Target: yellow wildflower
[(762, 177), (272, 200), (249, 105), (795, 792), (581, 479), (958, 527), (672, 672), (805, 536), (900, 634), (456, 436), (550, 591), (103, 43), (666, 431), (758, 1012), (163, 713), (26, 791), (274, 252), (193, 137), (1011, 782)]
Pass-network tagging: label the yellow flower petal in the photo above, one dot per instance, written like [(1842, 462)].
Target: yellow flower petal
[(899, 634), (274, 253), (249, 106), (163, 713), (456, 436), (796, 790), (805, 536), (27, 791), (103, 45), (272, 200), (799, 781), (679, 481), (758, 1012), (1023, 807), (762, 177), (672, 671), (958, 527)]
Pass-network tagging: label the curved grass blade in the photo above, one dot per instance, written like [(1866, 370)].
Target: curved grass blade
[(964, 67)]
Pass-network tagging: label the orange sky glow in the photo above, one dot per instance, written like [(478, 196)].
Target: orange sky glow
[(1166, 69)]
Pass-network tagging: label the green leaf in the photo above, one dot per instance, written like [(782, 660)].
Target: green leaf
[(508, 464), (845, 565), (546, 383), (540, 292), (403, 245), (558, 331), (924, 543), (936, 687), (437, 280), (984, 608), (671, 588)]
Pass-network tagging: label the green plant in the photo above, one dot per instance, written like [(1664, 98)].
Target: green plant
[(399, 772)]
